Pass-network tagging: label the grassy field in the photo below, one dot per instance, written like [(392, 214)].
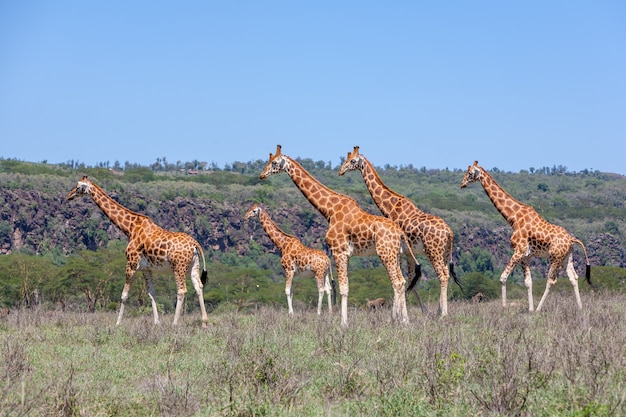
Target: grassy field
[(482, 360)]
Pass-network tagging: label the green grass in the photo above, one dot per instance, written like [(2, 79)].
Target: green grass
[(482, 360)]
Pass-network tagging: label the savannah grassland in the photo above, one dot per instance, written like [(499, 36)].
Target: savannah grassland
[(482, 360)]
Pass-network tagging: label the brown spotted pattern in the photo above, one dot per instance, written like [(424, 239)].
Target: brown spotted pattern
[(296, 258), (150, 247), (428, 234), (351, 231), (532, 236)]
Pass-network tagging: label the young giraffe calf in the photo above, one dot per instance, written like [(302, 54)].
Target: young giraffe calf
[(151, 247), (297, 259)]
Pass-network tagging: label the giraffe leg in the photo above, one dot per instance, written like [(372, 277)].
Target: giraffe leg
[(553, 272), (443, 274), (507, 271), (180, 275), (288, 289), (147, 274), (131, 268), (528, 283), (573, 279), (321, 289), (327, 290), (197, 285), (398, 311), (180, 302), (341, 261)]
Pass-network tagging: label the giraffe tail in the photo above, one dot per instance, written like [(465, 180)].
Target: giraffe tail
[(204, 275), (416, 277), (588, 266), (333, 284), (418, 267), (455, 278)]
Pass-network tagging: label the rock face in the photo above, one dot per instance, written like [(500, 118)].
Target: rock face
[(39, 222)]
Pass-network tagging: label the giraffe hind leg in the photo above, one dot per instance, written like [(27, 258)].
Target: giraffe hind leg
[(552, 277), (573, 279), (180, 276), (147, 274), (398, 311), (198, 285)]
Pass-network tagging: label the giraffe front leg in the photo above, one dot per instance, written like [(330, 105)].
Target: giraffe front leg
[(341, 261), (131, 269), (505, 274), (289, 290), (147, 274), (528, 283)]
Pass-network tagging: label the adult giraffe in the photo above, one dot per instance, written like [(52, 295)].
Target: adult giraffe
[(151, 248), (428, 233), (296, 258), (351, 231), (532, 236)]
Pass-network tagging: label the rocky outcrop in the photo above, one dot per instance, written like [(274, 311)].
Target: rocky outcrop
[(39, 222)]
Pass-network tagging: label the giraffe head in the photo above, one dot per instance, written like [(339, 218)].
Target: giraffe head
[(473, 174), (277, 163), (255, 211), (353, 162), (82, 187)]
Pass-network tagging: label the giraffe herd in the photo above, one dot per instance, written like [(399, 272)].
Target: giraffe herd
[(401, 230)]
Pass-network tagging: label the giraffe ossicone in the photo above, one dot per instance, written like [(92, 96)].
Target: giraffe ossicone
[(151, 247), (532, 236)]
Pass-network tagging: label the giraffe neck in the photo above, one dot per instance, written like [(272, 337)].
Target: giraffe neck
[(323, 198), (122, 217), (508, 206), (385, 198), (276, 235)]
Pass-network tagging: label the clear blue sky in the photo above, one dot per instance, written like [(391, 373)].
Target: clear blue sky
[(437, 84)]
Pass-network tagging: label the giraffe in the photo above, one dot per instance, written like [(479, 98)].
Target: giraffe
[(429, 234), (532, 236), (296, 258), (351, 232), (150, 248)]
